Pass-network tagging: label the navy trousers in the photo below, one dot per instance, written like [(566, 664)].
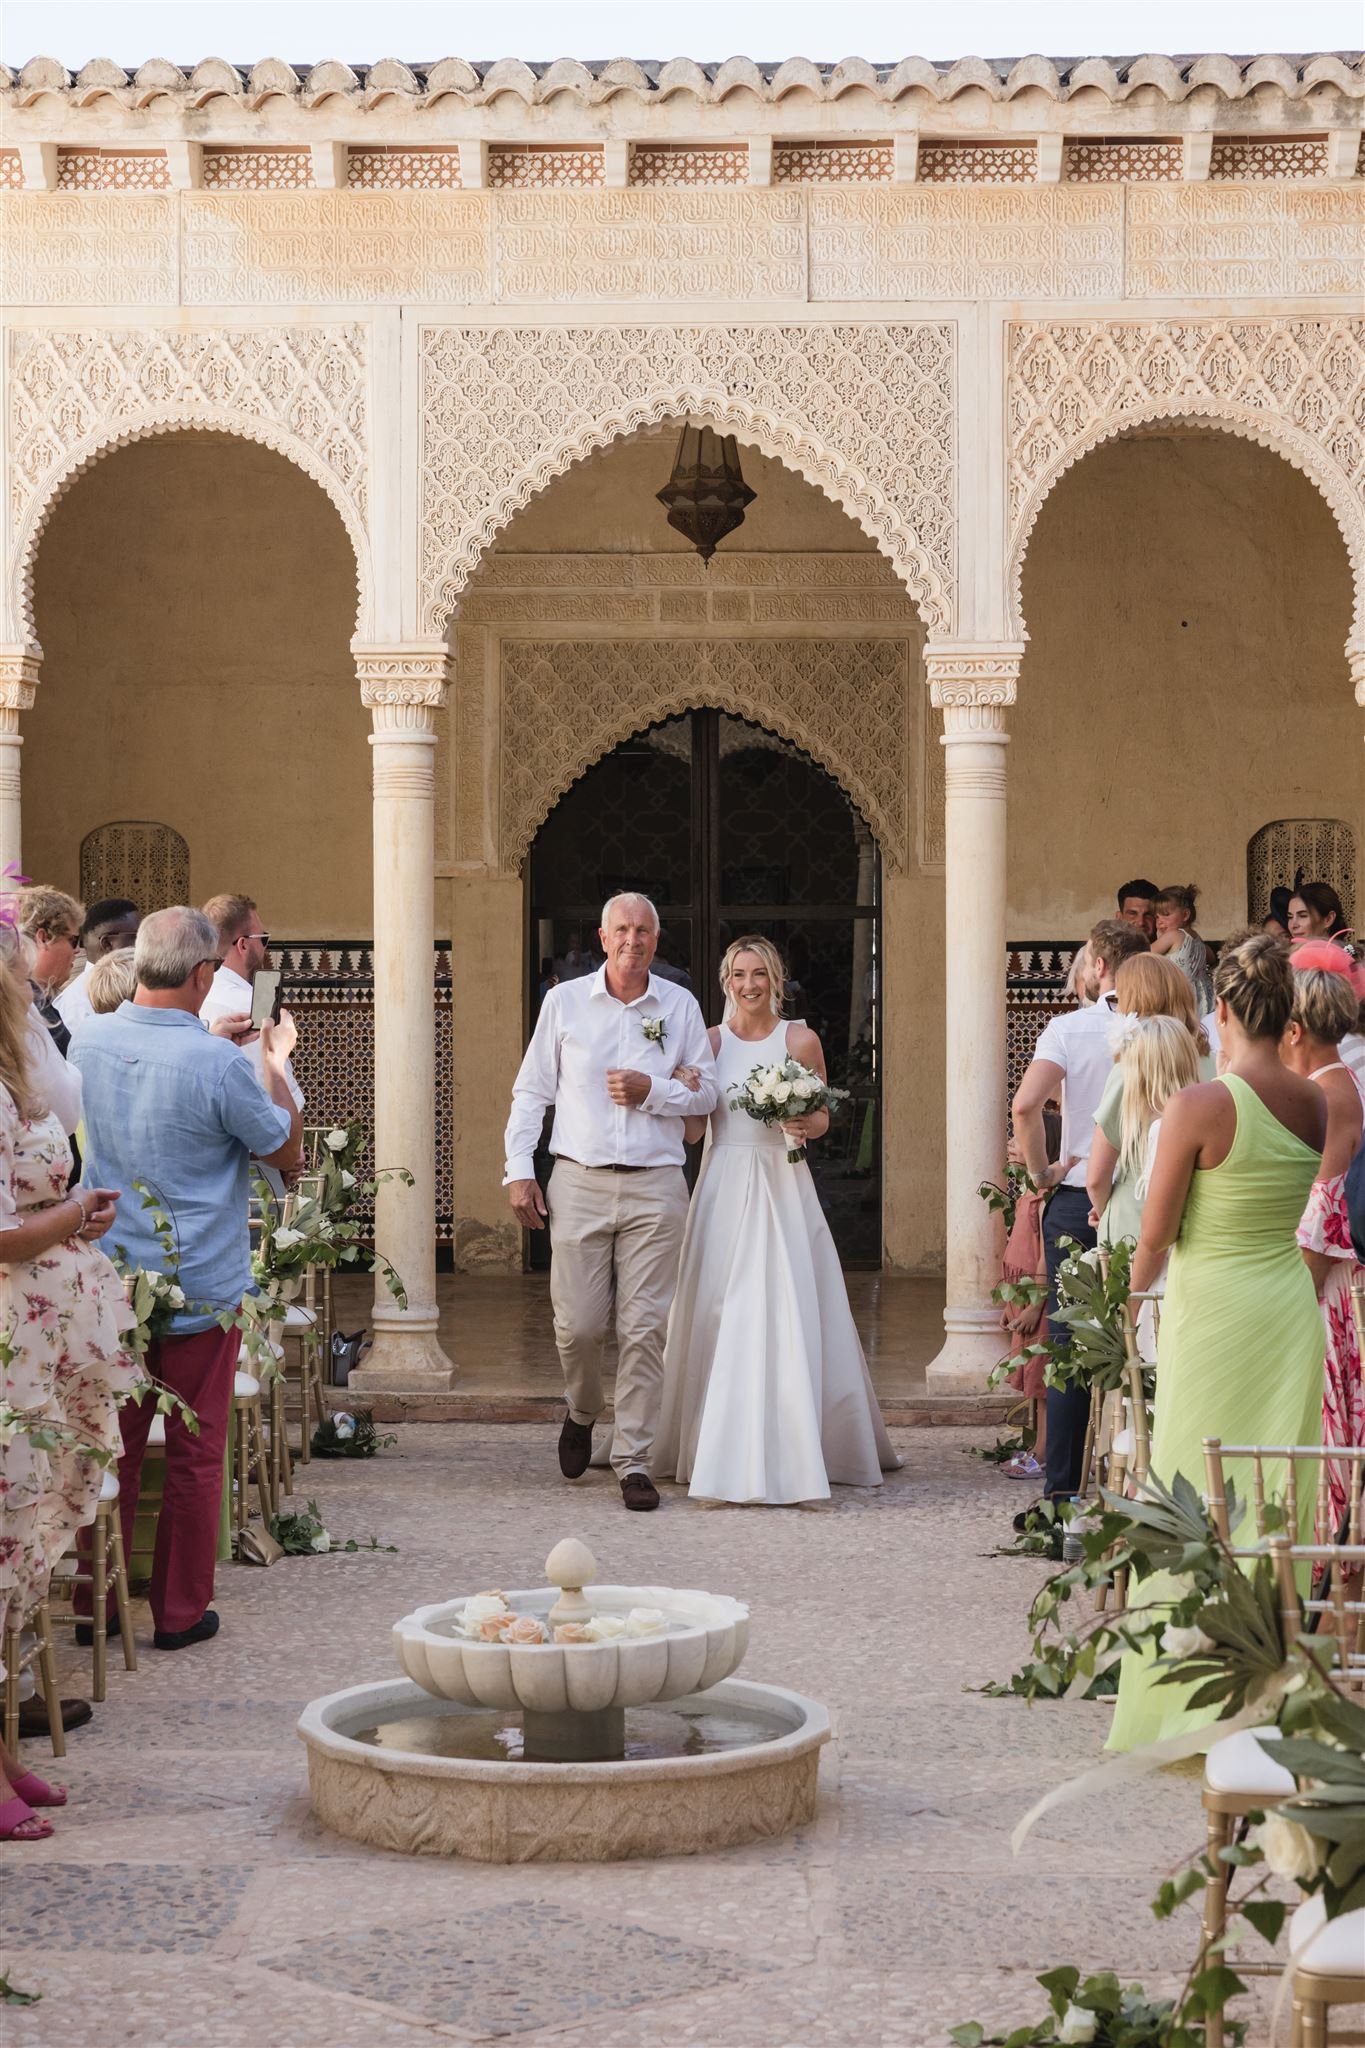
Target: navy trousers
[(1068, 1409)]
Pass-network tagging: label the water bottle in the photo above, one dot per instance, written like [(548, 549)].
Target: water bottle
[(1073, 1549)]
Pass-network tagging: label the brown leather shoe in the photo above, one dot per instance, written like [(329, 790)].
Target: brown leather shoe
[(639, 1492), (575, 1448), (33, 1715)]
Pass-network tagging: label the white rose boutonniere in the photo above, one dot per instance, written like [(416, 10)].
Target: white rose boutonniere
[(655, 1029)]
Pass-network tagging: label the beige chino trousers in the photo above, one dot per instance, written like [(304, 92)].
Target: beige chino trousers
[(616, 1237)]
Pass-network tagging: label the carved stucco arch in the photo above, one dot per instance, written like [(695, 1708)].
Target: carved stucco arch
[(1331, 457), (889, 466), (75, 398), (247, 429), (761, 690)]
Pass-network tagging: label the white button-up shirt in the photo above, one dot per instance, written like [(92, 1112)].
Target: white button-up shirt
[(582, 1032), (230, 996), (1082, 1043), (73, 1003)]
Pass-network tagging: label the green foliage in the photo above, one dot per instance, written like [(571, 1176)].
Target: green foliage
[(1107, 2014), (1086, 1347), (1004, 1201), (304, 1534), (349, 1436), (324, 1228), (10, 1994)]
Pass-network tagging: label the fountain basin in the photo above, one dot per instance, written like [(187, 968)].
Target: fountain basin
[(704, 1641), (497, 1811)]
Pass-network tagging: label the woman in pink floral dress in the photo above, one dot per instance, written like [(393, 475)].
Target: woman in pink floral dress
[(62, 1365), (1326, 1005)]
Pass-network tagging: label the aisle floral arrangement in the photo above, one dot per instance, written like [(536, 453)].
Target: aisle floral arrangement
[(344, 1435), (1224, 1635), (325, 1227)]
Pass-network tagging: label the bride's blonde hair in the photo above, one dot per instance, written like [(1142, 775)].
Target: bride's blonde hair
[(1157, 1058), (772, 961)]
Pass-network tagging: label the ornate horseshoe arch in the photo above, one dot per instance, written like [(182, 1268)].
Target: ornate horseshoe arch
[(864, 411), (1295, 387), (75, 396), (567, 704)]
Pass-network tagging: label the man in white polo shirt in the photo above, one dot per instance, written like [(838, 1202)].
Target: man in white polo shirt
[(604, 1053), (1071, 1060)]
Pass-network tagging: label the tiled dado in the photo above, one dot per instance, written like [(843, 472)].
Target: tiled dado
[(782, 245)]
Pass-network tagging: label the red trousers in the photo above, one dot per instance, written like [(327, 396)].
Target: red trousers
[(200, 1368)]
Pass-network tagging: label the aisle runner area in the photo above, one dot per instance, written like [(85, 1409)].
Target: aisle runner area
[(188, 1897)]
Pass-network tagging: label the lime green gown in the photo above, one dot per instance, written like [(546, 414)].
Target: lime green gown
[(1240, 1355)]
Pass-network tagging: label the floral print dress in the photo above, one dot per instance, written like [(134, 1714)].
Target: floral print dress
[(62, 1366), (1326, 1229)]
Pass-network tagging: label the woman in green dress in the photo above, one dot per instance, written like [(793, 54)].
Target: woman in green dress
[(1241, 1348)]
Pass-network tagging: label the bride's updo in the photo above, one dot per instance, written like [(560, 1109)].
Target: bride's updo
[(772, 960)]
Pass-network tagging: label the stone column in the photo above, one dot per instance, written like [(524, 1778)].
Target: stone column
[(18, 680), (404, 687), (971, 683)]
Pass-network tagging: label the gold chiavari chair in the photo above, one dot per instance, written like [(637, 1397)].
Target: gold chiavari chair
[(1129, 1449), (249, 1452), (1240, 1777), (38, 1624), (106, 1572), (1328, 1966)]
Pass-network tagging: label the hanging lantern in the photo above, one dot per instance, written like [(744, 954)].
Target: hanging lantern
[(706, 495)]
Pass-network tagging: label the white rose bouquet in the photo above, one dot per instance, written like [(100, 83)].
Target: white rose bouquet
[(783, 1091)]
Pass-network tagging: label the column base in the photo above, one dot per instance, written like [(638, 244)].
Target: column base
[(403, 1360), (973, 1346)]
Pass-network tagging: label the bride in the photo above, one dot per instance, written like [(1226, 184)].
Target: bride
[(767, 1395)]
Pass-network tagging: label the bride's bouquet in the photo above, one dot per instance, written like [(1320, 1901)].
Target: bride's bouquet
[(783, 1091)]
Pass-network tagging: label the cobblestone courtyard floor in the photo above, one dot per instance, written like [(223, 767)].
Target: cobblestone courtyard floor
[(187, 1897)]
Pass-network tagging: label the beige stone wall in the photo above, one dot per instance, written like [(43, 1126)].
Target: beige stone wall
[(1187, 599), (195, 601)]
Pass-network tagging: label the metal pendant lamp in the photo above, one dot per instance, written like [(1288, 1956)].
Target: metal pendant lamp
[(706, 496)]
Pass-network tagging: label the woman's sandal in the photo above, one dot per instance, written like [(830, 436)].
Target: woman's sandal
[(19, 1823), (28, 1785)]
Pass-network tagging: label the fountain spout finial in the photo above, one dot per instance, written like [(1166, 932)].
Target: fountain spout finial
[(571, 1566)]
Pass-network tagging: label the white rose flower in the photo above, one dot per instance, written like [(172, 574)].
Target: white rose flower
[(604, 1628), (336, 1140), (176, 1296), (806, 1088), (1289, 1850), (782, 1092), (760, 1092), (284, 1239), (1184, 1642), (646, 1621), (1076, 2025), (482, 1607), (344, 1425), (322, 1541), (347, 1179)]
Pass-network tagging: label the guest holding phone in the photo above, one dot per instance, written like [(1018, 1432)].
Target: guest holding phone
[(243, 942)]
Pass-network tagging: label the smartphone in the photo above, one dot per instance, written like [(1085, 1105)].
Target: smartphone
[(267, 993)]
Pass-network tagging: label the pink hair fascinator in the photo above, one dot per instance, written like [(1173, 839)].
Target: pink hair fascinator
[(1331, 958)]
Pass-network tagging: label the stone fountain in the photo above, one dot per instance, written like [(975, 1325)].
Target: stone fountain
[(576, 1723)]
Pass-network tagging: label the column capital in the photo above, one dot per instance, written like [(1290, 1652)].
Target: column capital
[(407, 672), (1355, 659), (972, 672), (19, 669)]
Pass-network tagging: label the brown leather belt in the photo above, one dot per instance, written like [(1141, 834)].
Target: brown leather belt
[(611, 1168)]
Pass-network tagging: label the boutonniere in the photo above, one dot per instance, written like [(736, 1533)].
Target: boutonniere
[(655, 1029)]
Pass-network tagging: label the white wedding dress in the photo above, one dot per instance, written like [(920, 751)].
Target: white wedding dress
[(767, 1396)]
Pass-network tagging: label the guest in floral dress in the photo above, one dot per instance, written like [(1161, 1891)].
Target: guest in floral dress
[(1325, 1008), (62, 1366)]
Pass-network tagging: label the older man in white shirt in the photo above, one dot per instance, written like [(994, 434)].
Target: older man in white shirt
[(1072, 1059), (603, 1057)]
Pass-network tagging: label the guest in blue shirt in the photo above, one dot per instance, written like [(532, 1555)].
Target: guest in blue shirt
[(168, 1103)]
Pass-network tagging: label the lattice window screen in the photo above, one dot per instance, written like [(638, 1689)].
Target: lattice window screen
[(147, 863)]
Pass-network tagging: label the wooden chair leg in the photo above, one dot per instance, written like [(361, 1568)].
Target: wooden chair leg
[(305, 1419), (119, 1574), (263, 1493), (47, 1665), (315, 1381), (281, 1463), (99, 1601), (11, 1690), (241, 1467), (1219, 1835)]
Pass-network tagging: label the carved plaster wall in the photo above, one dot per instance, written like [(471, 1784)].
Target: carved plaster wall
[(567, 703), (865, 411), (1295, 386), (73, 394)]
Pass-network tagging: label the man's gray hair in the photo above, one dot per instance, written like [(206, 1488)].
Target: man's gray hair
[(170, 944), (628, 896)]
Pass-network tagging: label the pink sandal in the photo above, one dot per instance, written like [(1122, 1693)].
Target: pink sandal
[(19, 1823), (28, 1785)]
